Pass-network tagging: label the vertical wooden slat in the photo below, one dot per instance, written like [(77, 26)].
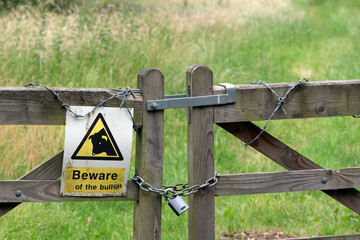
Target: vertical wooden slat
[(201, 154), (149, 157)]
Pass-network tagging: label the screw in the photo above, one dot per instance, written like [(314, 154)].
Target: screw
[(154, 106), (18, 193), (324, 180)]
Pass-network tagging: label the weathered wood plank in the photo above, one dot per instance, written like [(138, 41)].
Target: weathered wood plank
[(50, 169), (292, 181), (149, 158), (288, 158), (270, 146), (48, 191), (308, 100), (37, 106), (335, 237), (199, 80)]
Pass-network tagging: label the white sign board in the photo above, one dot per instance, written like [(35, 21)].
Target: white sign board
[(97, 152)]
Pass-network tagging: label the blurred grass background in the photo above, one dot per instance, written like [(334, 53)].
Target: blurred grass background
[(106, 43)]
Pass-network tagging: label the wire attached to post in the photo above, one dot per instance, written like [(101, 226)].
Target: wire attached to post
[(126, 92), (280, 103)]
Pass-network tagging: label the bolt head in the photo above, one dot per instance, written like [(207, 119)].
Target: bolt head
[(18, 193), (324, 180), (154, 106)]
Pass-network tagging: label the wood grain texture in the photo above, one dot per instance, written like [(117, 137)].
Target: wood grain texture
[(149, 158), (335, 237), (48, 191), (308, 100), (288, 158), (201, 155), (50, 170), (292, 181), (270, 146), (37, 106)]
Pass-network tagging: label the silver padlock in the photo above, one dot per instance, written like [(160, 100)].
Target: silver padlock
[(177, 204)]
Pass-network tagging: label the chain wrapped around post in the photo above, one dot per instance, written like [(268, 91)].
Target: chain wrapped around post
[(175, 190)]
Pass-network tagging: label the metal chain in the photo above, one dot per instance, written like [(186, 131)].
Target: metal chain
[(280, 102), (184, 190), (126, 92)]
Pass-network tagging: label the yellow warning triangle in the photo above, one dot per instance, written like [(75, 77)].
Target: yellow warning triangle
[(98, 143)]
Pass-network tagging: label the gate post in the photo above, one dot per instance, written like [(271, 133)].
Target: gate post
[(149, 157), (199, 82)]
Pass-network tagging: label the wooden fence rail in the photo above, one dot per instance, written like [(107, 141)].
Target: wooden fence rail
[(253, 102), (308, 100), (37, 106), (293, 181), (48, 191)]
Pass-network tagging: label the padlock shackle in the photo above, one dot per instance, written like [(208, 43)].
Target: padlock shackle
[(166, 193)]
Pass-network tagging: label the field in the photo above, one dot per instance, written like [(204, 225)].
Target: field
[(106, 43)]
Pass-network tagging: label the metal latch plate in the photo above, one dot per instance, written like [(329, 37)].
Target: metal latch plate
[(179, 100)]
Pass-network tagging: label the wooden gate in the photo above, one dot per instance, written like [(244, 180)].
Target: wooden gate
[(37, 106), (253, 103)]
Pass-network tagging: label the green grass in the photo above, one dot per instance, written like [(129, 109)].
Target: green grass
[(94, 45)]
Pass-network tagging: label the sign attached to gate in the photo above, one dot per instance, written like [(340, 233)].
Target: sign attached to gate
[(97, 152)]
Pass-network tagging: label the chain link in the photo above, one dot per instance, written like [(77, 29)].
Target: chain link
[(177, 187), (181, 189), (126, 92)]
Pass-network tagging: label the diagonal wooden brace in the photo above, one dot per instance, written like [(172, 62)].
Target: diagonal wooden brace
[(288, 158), (49, 170)]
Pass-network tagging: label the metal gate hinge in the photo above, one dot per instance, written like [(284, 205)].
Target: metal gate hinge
[(180, 100)]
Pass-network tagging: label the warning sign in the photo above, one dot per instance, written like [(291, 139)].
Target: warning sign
[(97, 152), (93, 180), (98, 143)]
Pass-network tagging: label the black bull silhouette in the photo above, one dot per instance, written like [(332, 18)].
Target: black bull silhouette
[(101, 143)]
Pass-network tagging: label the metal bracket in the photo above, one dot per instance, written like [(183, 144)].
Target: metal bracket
[(180, 100)]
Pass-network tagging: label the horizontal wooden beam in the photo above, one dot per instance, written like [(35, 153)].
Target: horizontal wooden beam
[(309, 100), (292, 181), (37, 106), (334, 237), (49, 191)]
